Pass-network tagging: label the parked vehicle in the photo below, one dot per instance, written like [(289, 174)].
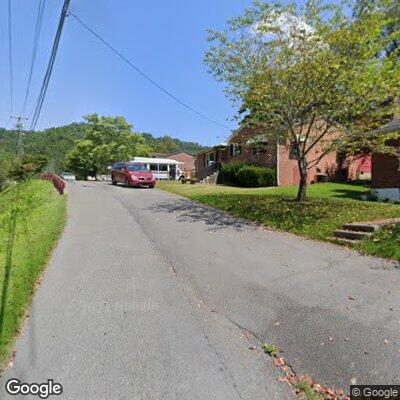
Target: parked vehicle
[(104, 177), (132, 174), (68, 176)]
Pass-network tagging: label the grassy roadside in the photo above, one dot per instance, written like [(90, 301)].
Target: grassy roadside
[(384, 243), (329, 206), (38, 214)]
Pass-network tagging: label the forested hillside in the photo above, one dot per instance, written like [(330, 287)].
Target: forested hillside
[(167, 144), (54, 143)]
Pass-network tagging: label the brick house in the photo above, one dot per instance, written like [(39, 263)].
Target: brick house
[(386, 167), (209, 161), (249, 144), (357, 167), (185, 157)]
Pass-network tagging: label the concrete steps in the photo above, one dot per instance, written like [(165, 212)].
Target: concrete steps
[(352, 235), (361, 227), (342, 240), (210, 179), (355, 232)]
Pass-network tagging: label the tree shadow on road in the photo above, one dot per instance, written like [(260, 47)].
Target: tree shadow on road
[(189, 211)]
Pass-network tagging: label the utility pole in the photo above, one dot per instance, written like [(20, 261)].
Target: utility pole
[(21, 134)]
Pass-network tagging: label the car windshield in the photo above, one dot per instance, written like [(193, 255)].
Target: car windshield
[(136, 167)]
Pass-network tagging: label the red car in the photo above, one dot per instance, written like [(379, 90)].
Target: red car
[(132, 174)]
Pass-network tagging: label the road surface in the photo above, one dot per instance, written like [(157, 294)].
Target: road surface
[(151, 296)]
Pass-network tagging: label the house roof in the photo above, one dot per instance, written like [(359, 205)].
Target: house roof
[(245, 124), (178, 152), (236, 131), (390, 127), (217, 146), (151, 160)]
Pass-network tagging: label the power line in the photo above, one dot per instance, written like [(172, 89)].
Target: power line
[(50, 65), (144, 75), (10, 57), (34, 51)]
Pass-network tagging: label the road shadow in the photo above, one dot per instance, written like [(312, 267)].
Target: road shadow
[(189, 211)]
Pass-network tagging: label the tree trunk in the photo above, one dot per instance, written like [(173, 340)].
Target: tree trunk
[(302, 192)]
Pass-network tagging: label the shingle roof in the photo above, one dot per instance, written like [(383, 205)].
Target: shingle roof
[(392, 126)]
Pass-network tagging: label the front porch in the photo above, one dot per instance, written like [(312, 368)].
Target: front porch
[(209, 161)]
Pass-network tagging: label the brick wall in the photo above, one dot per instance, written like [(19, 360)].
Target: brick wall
[(385, 170), (203, 170), (187, 159), (357, 167), (200, 164), (289, 170), (264, 155), (288, 167)]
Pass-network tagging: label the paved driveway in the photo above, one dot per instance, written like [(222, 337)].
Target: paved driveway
[(149, 295)]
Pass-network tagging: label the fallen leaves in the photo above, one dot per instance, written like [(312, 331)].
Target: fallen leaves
[(304, 383)]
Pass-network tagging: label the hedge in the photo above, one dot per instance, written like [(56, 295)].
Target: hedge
[(230, 170), (247, 175)]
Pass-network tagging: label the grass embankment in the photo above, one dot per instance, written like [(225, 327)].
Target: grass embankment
[(329, 206), (32, 217), (384, 243)]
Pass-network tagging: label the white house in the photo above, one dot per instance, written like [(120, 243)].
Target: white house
[(162, 168)]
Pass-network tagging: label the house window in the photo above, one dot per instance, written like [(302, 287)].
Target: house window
[(234, 149), (292, 151), (158, 167), (209, 159), (257, 150)]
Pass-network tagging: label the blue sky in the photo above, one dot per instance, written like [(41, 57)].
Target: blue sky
[(166, 39)]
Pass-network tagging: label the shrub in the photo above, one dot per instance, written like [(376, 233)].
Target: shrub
[(21, 169), (253, 176), (230, 170)]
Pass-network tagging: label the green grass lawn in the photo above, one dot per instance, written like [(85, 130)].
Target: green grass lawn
[(384, 243), (38, 214), (329, 206)]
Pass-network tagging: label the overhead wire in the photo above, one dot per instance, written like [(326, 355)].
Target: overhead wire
[(10, 55), (50, 65), (38, 28), (143, 74)]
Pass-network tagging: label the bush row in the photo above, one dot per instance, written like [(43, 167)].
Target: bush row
[(247, 175)]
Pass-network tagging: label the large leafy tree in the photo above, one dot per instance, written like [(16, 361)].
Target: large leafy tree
[(107, 140), (312, 76), (392, 10)]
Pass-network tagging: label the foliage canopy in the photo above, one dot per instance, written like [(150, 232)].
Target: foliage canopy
[(311, 75)]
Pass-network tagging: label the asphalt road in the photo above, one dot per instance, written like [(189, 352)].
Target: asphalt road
[(151, 296), (113, 320)]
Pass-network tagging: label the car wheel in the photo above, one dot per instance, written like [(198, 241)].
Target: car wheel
[(113, 181), (127, 184)]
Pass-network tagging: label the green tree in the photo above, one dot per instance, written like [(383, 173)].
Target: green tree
[(21, 169), (167, 144), (391, 8), (81, 160), (309, 75), (107, 140)]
